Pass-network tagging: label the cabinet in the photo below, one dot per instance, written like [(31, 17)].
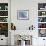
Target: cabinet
[(3, 40), (42, 19), (42, 41)]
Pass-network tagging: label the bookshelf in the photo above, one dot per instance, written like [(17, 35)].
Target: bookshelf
[(4, 19), (42, 19)]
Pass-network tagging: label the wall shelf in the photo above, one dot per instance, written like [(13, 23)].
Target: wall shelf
[(42, 16), (41, 10), (3, 10), (41, 28), (3, 22), (41, 22), (3, 16)]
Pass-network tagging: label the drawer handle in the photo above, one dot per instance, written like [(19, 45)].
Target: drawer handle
[(1, 39), (43, 39)]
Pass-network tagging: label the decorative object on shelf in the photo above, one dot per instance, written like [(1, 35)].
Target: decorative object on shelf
[(6, 7), (31, 27), (42, 32), (3, 13), (4, 26), (41, 19), (4, 29), (3, 19), (0, 7), (41, 6), (45, 7), (41, 25), (13, 27), (23, 14), (43, 13)]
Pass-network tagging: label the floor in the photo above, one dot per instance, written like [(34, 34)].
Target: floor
[(3, 45)]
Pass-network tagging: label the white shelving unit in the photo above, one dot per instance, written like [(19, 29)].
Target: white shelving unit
[(4, 19), (42, 19), (4, 23)]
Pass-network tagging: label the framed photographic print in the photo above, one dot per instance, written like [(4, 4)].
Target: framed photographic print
[(22, 14)]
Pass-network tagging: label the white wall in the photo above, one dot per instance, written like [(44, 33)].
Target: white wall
[(23, 5), (32, 6)]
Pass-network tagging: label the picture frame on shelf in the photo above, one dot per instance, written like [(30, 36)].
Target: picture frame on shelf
[(22, 14)]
